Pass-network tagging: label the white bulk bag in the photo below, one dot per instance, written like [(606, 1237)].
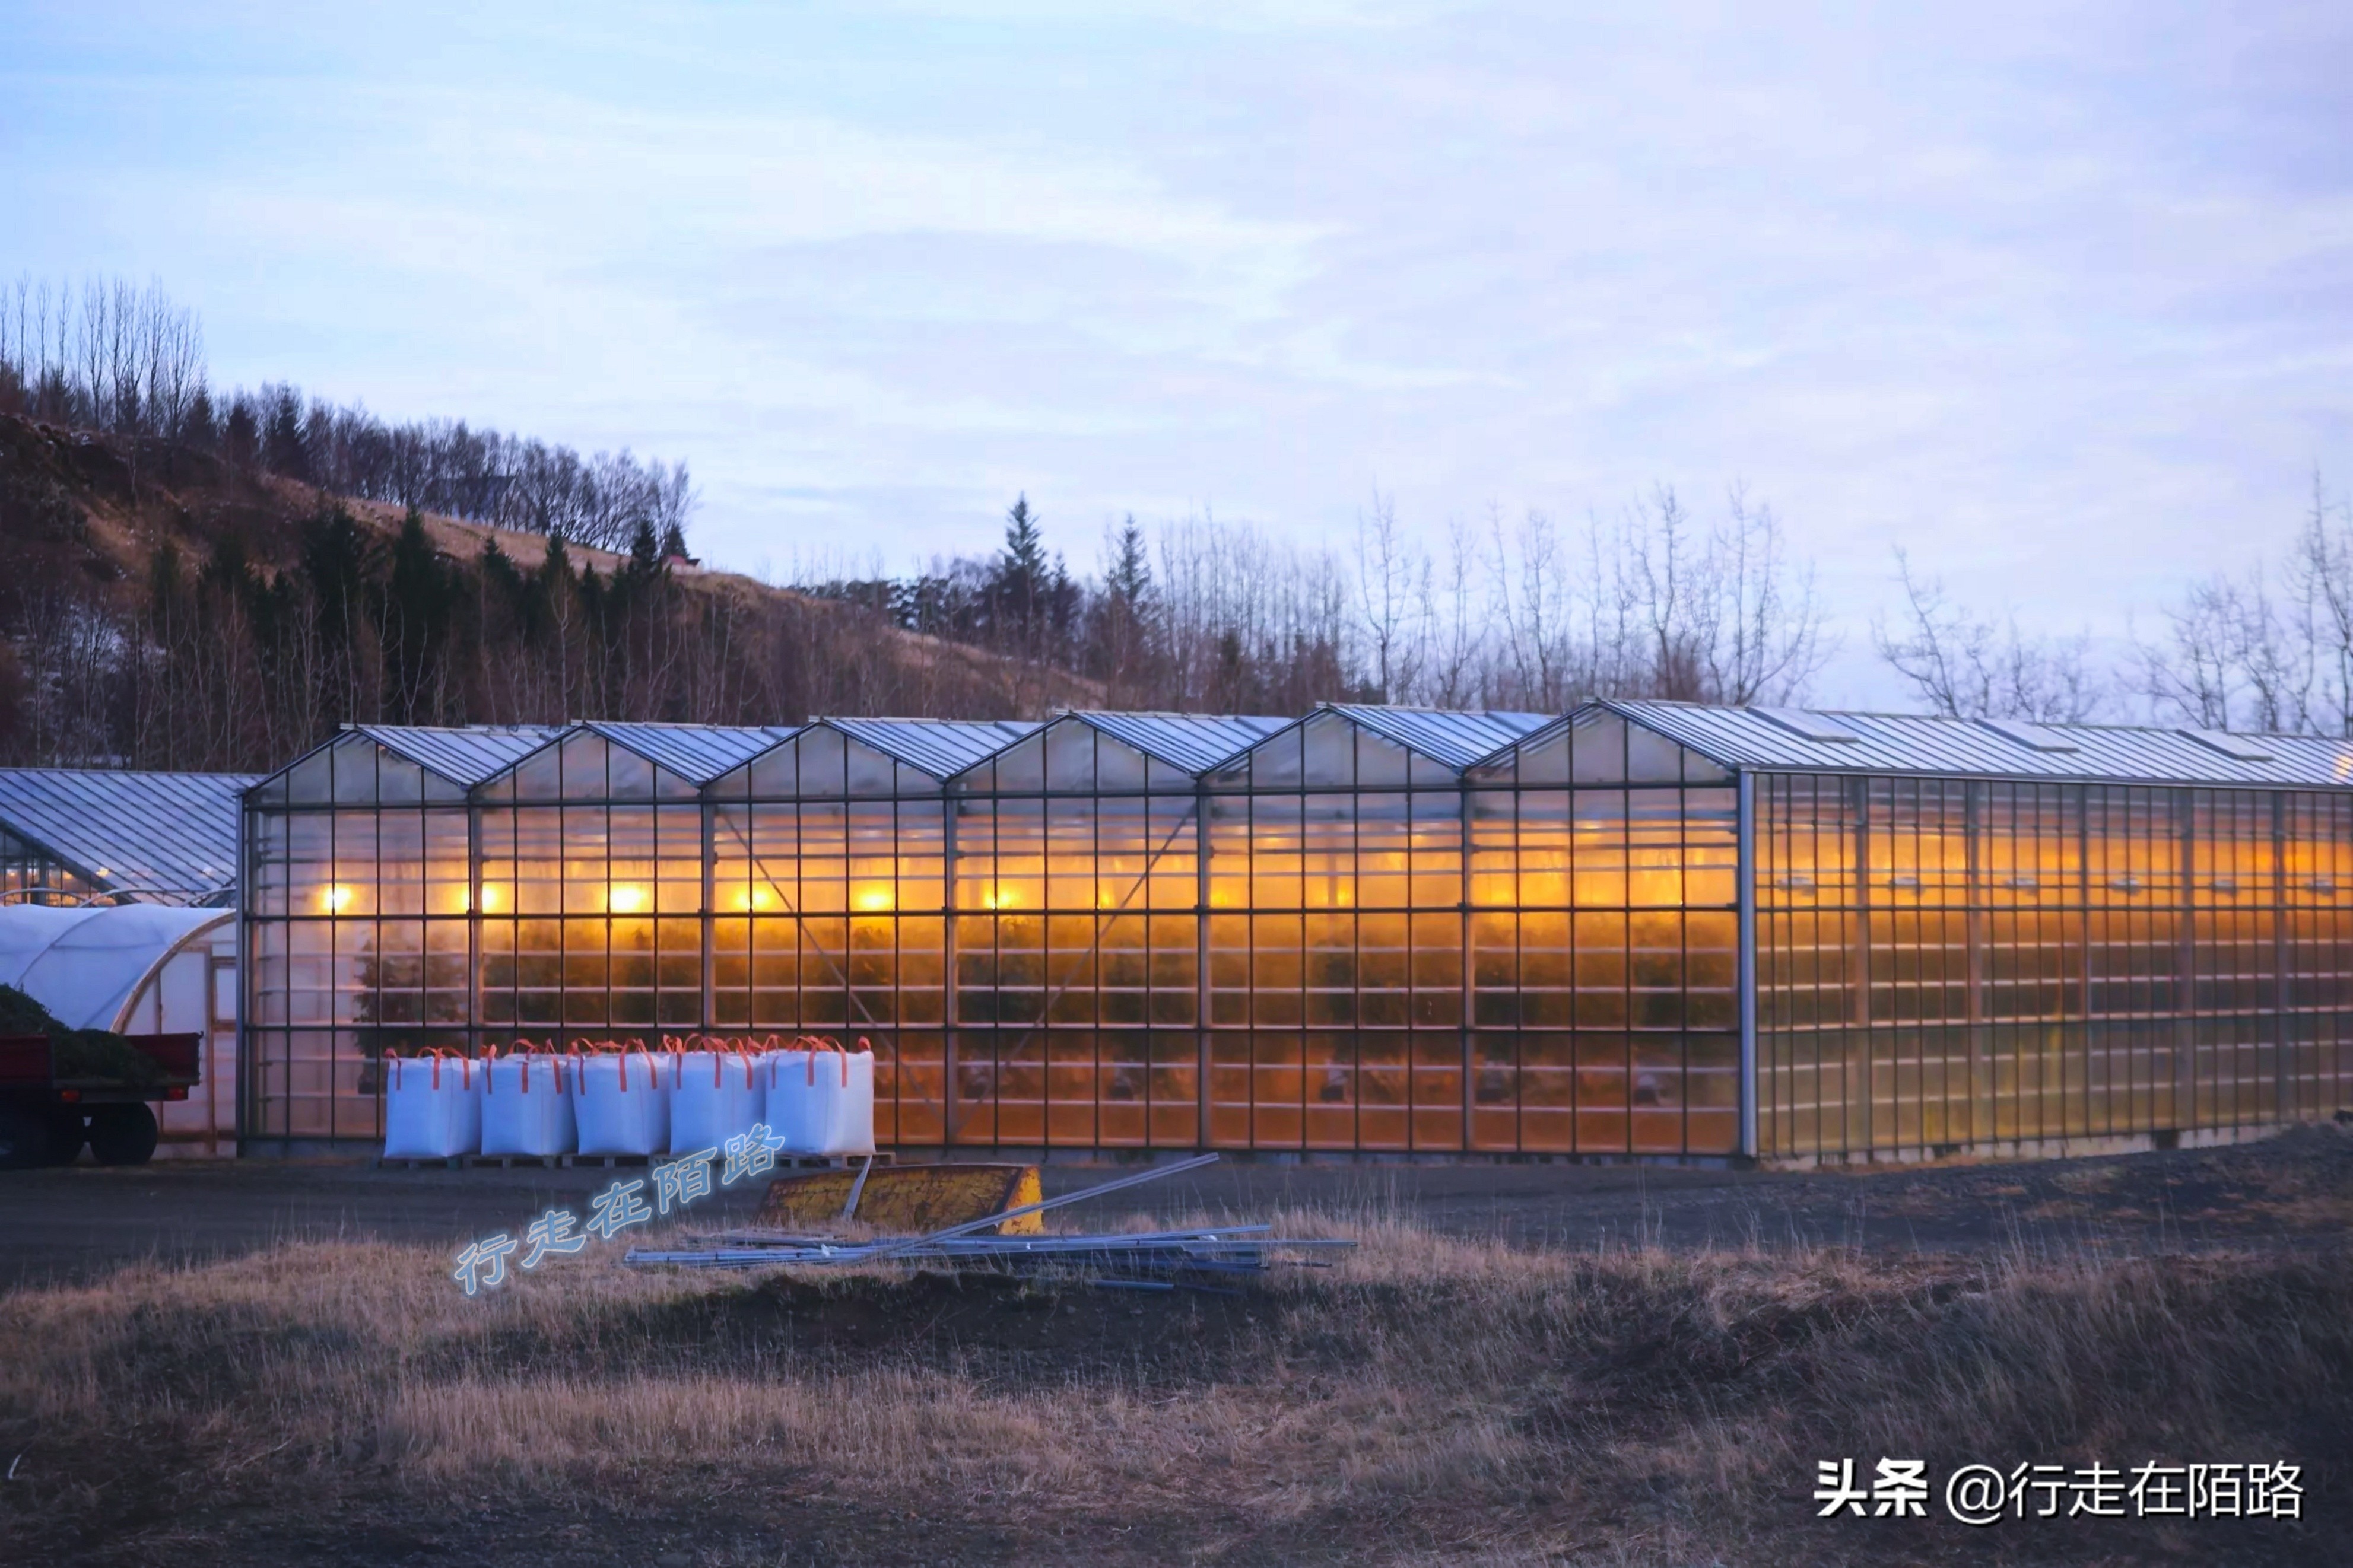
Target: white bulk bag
[(713, 1096), (527, 1106), (432, 1107), (822, 1102), (781, 1089), (621, 1103)]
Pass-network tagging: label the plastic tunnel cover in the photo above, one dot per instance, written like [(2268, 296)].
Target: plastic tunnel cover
[(86, 966)]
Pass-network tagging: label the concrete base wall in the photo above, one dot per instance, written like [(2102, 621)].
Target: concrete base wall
[(2039, 1148)]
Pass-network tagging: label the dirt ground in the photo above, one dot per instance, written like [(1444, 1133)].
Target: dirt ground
[(72, 1224)]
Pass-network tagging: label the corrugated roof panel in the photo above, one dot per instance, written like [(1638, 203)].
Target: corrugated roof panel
[(1456, 738), (170, 831), (1920, 743), (698, 752), (940, 747), (1195, 743), (464, 755)]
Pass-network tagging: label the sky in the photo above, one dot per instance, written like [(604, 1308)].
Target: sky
[(2057, 296)]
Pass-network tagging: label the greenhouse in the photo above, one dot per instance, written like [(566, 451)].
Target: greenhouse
[(81, 836), (1640, 929), (141, 967)]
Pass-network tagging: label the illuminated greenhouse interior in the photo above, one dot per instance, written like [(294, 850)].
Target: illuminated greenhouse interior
[(1638, 930), (30, 873)]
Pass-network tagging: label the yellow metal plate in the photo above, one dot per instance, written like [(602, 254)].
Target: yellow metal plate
[(907, 1200)]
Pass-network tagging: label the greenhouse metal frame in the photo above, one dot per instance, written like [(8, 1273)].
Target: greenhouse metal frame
[(1638, 930)]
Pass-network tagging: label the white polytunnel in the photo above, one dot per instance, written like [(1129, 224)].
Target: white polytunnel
[(141, 969)]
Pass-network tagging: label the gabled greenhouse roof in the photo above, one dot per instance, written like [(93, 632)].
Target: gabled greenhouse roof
[(1195, 743), (175, 832), (463, 755), (1787, 739), (1457, 738), (180, 830), (699, 753), (940, 747)]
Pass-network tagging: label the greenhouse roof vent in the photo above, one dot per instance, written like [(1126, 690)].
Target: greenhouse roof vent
[(2239, 748), (2033, 737), (1808, 725)]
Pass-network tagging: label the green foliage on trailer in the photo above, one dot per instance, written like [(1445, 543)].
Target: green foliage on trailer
[(79, 1055)]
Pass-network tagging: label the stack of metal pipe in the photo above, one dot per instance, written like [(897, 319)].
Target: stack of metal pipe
[(1150, 1259)]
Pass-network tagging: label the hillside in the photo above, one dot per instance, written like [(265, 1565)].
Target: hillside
[(168, 608)]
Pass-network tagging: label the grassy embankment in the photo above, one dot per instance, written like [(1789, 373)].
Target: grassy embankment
[(1431, 1399)]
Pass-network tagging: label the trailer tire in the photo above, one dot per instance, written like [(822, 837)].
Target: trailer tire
[(66, 1135), (123, 1134), (24, 1139)]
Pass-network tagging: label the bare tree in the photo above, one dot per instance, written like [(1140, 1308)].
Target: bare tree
[(1968, 667), (1767, 641), (1532, 602), (1393, 588), (1459, 643), (2269, 649)]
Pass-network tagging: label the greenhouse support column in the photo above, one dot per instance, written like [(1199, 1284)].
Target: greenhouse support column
[(1201, 1053), (2083, 895), (248, 989), (2185, 964), (1462, 821), (1858, 1074), (473, 933), (1745, 956), (950, 979), (2283, 1030), (1976, 930), (709, 922)]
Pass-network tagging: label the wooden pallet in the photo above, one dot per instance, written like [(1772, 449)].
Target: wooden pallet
[(831, 1162), (612, 1162)]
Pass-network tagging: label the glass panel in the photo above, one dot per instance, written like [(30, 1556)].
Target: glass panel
[(1380, 764), (1327, 754), (1069, 756), (1275, 764), (1651, 757), (1122, 766), (1598, 750), (540, 776)]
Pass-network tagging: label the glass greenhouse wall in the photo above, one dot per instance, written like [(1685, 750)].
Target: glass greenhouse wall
[(30, 874), (1638, 930), (1946, 963)]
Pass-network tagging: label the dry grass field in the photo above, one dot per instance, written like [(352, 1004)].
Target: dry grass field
[(1432, 1399)]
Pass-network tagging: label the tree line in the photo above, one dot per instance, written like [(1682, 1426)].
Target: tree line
[(225, 662), (1201, 614), (1656, 601), (226, 655), (109, 356), (2267, 648)]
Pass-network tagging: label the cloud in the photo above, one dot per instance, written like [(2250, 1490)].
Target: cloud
[(2058, 295)]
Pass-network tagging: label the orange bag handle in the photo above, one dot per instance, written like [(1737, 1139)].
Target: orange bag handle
[(818, 1043), (465, 1063)]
